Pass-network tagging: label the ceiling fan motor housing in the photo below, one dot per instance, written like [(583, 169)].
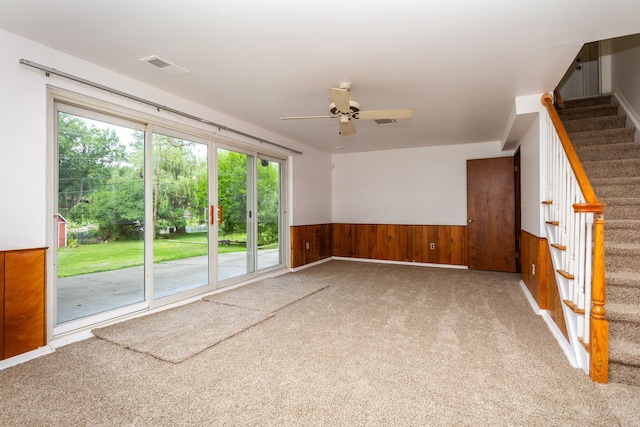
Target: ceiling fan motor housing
[(354, 107)]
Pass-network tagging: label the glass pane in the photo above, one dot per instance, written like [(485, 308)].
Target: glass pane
[(235, 216), (268, 213), (180, 213), (100, 252)]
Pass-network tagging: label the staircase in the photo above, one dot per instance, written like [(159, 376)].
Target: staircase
[(611, 160)]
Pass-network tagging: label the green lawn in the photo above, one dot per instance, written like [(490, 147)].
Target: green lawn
[(85, 259)]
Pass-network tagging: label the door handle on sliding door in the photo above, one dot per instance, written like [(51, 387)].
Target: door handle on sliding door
[(212, 216)]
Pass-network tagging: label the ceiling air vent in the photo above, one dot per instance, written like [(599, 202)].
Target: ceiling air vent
[(165, 65), (385, 121)]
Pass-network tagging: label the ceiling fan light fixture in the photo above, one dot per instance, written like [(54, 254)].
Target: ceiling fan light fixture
[(343, 108)]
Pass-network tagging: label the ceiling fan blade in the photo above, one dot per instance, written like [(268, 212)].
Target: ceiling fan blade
[(340, 98), (307, 117), (347, 127), (399, 113)]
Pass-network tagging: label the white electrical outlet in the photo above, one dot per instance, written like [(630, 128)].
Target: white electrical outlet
[(533, 269), (307, 245), (432, 245)]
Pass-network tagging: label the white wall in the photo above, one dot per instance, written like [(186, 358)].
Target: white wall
[(24, 178), (311, 196), (530, 180), (622, 61), (625, 63), (528, 131), (409, 186)]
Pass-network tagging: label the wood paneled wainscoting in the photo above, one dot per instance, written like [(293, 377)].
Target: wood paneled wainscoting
[(310, 243), (434, 244), (539, 277), (22, 301)]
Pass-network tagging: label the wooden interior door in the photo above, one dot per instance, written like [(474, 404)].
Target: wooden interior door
[(491, 230)]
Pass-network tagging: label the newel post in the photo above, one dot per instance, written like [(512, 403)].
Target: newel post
[(599, 326)]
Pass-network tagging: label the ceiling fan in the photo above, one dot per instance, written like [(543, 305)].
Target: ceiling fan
[(346, 109)]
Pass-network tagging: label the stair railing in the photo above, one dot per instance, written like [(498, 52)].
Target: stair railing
[(575, 230)]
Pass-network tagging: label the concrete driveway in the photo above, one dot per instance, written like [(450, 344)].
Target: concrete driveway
[(88, 294)]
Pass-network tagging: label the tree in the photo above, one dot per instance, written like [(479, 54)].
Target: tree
[(119, 208), (86, 158), (179, 182), (268, 201), (232, 190)]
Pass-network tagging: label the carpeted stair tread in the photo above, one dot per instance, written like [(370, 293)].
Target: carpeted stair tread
[(622, 293), (623, 374), (622, 256), (587, 101), (616, 187), (588, 111), (623, 286), (623, 312), (624, 352), (623, 278), (622, 207), (620, 150), (624, 321), (622, 230), (612, 168), (604, 136), (623, 328), (595, 123)]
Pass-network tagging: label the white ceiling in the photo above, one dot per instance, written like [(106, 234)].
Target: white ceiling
[(458, 64)]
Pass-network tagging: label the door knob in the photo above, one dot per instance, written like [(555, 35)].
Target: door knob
[(469, 221)]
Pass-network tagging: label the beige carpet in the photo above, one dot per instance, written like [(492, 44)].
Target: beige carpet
[(182, 332), (382, 345), (268, 295), (177, 334)]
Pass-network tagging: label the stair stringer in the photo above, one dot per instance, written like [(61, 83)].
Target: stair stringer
[(576, 352)]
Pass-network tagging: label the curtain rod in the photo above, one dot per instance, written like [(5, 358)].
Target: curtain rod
[(49, 70)]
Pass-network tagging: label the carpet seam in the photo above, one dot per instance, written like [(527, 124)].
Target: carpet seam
[(191, 356), (266, 311), (300, 299), (226, 338), (269, 314)]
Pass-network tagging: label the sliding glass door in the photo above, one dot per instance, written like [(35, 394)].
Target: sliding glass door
[(146, 216), (236, 214), (180, 215), (248, 214), (99, 215), (269, 178)]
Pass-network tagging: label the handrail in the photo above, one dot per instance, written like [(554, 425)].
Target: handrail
[(598, 334), (576, 166)]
